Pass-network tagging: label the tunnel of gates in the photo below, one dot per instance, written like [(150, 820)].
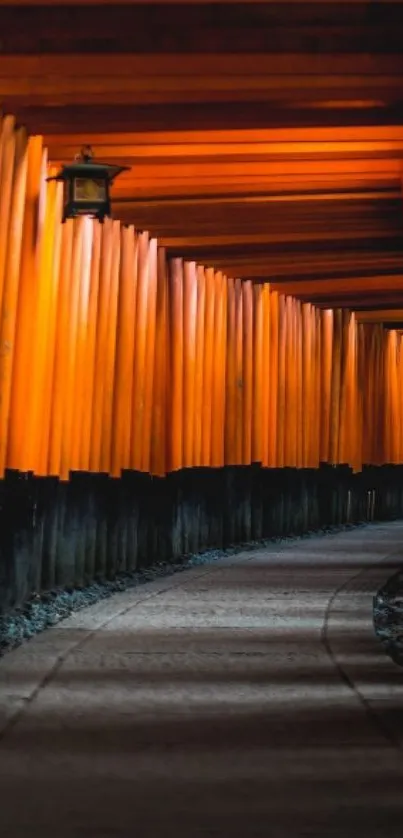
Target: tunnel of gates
[(151, 407)]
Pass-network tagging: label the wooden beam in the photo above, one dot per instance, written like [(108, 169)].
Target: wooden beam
[(380, 315), (63, 89), (193, 245), (338, 287), (276, 27), (277, 70), (191, 136), (60, 119)]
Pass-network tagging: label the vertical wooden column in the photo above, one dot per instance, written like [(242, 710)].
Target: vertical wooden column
[(150, 356), (10, 286), (388, 398), (231, 378), (366, 382), (266, 379), (299, 385), (25, 322), (81, 405), (360, 384), (208, 367), (8, 142), (59, 404), (110, 350), (140, 352), (281, 373), (326, 318), (273, 380), (70, 349), (258, 383), (392, 415), (317, 390), (219, 355), (44, 309), (90, 344), (48, 383), (161, 363), (222, 391), (343, 430), (175, 423), (400, 394), (290, 386), (335, 388), (247, 297), (379, 396), (239, 373), (123, 384), (307, 383), (189, 360), (101, 345), (199, 366)]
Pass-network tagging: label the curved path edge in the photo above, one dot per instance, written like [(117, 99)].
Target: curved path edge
[(379, 685)]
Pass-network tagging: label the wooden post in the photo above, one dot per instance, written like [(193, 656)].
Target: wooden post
[(189, 360), (175, 425), (70, 349), (25, 322), (61, 351), (123, 383), (101, 346), (274, 379), (9, 299), (110, 350), (266, 372), (150, 356), (159, 418), (281, 373), (239, 373), (334, 415), (140, 353), (199, 378), (248, 361), (231, 379), (257, 398)]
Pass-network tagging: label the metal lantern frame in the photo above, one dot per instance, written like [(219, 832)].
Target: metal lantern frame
[(86, 186)]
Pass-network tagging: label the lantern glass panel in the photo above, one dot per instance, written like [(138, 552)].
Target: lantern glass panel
[(91, 190)]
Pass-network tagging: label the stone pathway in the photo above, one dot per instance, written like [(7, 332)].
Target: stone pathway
[(245, 698)]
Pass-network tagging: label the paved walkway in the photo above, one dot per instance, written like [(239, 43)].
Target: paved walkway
[(246, 698)]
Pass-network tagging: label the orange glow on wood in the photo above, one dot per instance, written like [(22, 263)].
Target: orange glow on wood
[(199, 377), (9, 297), (150, 355), (159, 429), (115, 356), (189, 360), (176, 372)]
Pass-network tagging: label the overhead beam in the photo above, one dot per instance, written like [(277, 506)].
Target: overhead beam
[(380, 316), (61, 119), (337, 287), (171, 89), (272, 27), (261, 69)]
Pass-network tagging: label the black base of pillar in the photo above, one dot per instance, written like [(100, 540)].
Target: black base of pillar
[(67, 535)]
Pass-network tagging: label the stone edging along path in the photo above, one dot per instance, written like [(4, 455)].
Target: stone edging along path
[(45, 610), (378, 687), (388, 617)]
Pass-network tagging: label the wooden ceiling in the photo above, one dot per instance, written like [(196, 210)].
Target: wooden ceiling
[(265, 138)]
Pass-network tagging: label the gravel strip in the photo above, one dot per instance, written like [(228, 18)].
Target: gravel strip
[(47, 609), (388, 617)]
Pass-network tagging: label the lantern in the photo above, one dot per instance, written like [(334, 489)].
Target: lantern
[(86, 186)]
